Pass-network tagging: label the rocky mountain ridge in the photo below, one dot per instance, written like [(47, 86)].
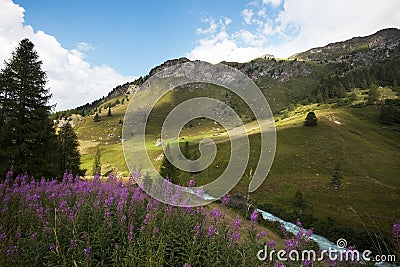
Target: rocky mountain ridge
[(356, 51), (350, 54)]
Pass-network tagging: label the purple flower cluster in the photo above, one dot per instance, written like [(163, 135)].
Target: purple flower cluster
[(225, 199), (301, 240), (86, 251), (215, 214), (192, 183), (254, 218), (236, 224), (61, 206), (74, 217), (197, 230), (211, 230), (261, 234)]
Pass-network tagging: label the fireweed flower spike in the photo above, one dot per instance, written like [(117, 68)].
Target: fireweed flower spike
[(86, 251), (215, 214), (211, 230), (196, 229), (254, 218), (261, 234), (192, 183), (225, 199), (236, 224)]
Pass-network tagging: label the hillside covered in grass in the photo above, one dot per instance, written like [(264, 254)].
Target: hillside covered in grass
[(353, 89)]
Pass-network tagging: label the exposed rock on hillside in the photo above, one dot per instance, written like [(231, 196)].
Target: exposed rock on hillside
[(167, 64), (282, 70), (358, 51)]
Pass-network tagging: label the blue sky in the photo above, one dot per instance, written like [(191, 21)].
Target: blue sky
[(88, 46)]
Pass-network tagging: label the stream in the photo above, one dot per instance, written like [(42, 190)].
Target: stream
[(323, 243)]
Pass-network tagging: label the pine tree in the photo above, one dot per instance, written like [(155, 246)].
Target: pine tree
[(70, 157), (27, 137), (311, 120), (97, 163), (299, 201), (109, 112), (167, 169), (373, 95), (96, 118)]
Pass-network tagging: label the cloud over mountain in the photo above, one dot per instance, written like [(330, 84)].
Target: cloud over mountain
[(285, 27)]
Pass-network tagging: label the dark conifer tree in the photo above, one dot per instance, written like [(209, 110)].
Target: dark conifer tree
[(70, 157), (167, 169), (96, 118), (97, 163), (28, 143), (311, 120)]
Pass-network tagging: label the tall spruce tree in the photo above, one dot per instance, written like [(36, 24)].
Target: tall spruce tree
[(70, 157), (97, 162), (167, 169), (96, 118), (311, 120), (28, 143)]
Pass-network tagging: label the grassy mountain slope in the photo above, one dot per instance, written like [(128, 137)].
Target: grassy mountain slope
[(348, 134), (305, 160)]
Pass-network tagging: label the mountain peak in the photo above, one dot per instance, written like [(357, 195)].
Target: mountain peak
[(168, 63)]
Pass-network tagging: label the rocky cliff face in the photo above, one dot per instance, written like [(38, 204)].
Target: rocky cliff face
[(357, 51), (282, 70), (353, 53), (167, 64)]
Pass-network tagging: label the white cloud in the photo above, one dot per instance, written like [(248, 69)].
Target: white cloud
[(246, 36), (262, 12), (323, 22), (227, 21), (224, 47), (212, 27), (274, 3), (292, 26), (247, 15), (73, 81)]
